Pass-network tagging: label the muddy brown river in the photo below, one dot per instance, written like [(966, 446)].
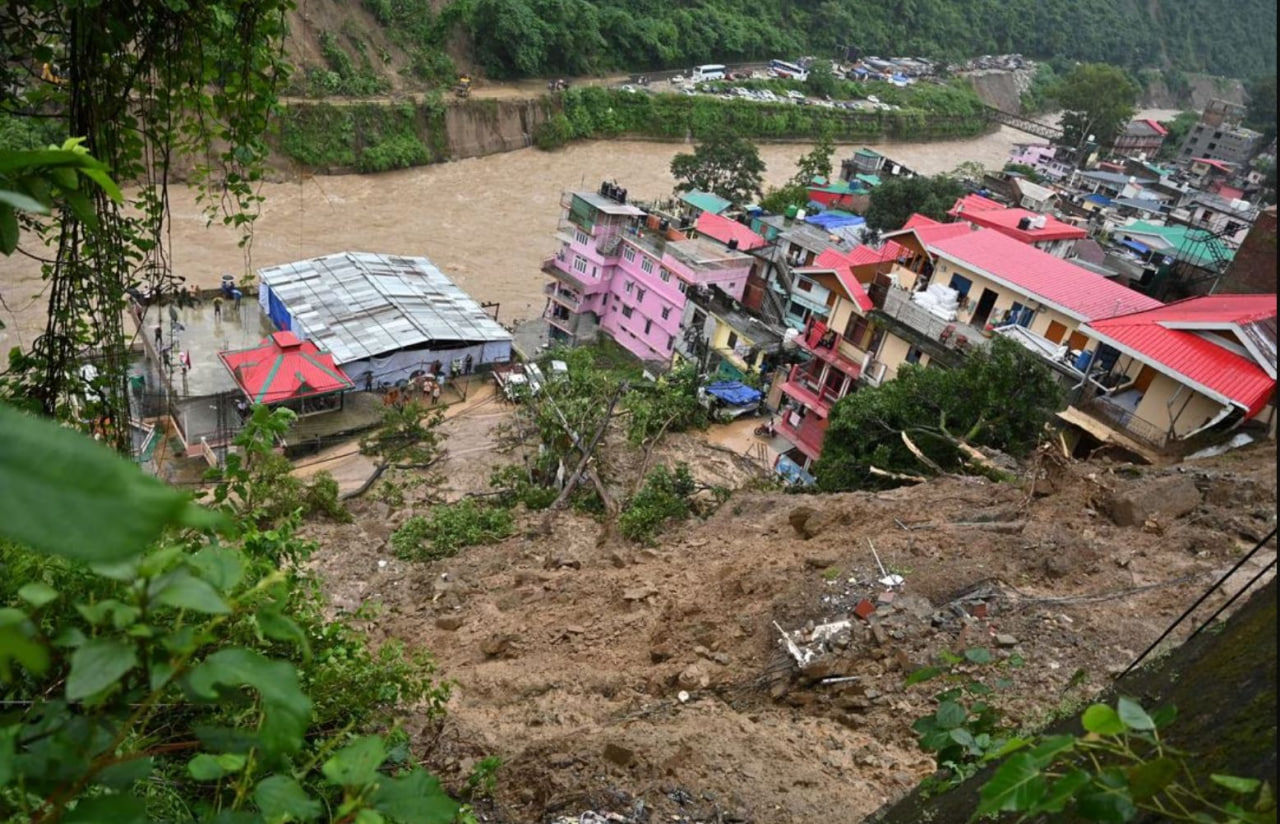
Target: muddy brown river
[(487, 222)]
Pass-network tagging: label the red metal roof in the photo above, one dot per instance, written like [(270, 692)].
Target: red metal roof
[(283, 368), (1155, 124), (1074, 291), (840, 263), (974, 203), (862, 255), (1195, 359), (928, 230), (1220, 165), (723, 229), (1006, 222)]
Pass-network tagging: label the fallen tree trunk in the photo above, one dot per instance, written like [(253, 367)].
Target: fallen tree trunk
[(572, 482)]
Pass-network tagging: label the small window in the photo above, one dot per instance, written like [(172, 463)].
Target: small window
[(671, 341), (630, 287), (804, 285), (855, 331), (666, 312), (580, 264), (684, 288), (582, 238), (627, 311), (665, 274), (913, 355), (648, 326), (733, 339), (640, 293), (630, 254), (647, 266)]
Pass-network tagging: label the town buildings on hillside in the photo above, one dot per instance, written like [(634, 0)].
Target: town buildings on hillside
[(1076, 268)]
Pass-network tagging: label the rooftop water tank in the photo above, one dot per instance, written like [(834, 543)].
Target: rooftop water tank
[(791, 212)]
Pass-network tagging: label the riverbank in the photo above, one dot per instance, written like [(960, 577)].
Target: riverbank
[(376, 136)]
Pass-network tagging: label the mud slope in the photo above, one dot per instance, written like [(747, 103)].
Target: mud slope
[(650, 681)]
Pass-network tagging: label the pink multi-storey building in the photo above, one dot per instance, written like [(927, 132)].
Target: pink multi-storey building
[(625, 272)]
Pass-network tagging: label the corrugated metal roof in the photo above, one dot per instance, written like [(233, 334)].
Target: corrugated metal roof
[(358, 305), (1076, 292), (705, 201), (1192, 356), (723, 229)]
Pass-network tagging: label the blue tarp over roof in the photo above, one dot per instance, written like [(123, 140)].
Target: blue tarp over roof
[(1140, 248), (734, 392), (829, 221)]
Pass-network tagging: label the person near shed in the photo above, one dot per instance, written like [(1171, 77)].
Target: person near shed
[(217, 308), (435, 393), (467, 363)]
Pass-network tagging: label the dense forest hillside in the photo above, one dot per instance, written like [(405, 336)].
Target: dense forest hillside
[(513, 38)]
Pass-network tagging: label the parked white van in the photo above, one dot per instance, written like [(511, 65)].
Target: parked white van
[(711, 71)]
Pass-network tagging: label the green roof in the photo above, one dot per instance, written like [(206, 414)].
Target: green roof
[(1194, 246), (836, 187), (706, 201), (870, 180), (865, 152)]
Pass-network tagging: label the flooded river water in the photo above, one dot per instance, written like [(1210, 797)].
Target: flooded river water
[(487, 221)]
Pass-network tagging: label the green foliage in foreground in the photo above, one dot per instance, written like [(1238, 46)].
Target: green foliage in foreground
[(159, 665), (1001, 397), (450, 528), (368, 137), (1119, 769)]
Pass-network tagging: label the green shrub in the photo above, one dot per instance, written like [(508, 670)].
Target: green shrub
[(664, 497), (449, 528), (396, 152)]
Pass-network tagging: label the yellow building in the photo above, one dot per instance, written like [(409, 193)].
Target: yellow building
[(1177, 371), (1003, 287)]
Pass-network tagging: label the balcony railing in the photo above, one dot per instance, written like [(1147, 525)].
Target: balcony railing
[(824, 342), (804, 386), (1120, 417), (568, 298), (897, 304)]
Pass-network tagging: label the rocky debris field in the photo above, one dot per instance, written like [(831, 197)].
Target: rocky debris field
[(646, 684)]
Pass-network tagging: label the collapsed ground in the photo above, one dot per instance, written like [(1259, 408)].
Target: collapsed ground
[(650, 682)]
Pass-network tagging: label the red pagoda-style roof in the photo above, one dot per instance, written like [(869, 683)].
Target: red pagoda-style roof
[(284, 368)]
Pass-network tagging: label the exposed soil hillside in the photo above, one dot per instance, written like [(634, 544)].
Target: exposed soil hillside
[(651, 682)]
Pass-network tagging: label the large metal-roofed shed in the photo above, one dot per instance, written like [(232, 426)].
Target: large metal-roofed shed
[(382, 317)]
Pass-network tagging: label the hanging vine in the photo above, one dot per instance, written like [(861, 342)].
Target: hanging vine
[(154, 87)]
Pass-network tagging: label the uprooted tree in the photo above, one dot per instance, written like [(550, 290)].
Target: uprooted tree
[(724, 164), (932, 421)]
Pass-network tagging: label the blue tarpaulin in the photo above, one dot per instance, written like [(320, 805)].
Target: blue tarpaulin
[(829, 221), (1140, 248), (734, 392)]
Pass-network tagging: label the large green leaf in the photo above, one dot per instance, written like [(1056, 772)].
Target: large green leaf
[(950, 715), (182, 590), (8, 229), (48, 472), (356, 764), (280, 798), (415, 797), (1133, 715), (23, 202), (97, 664), (1148, 778), (1235, 783), (1061, 792), (1102, 720), (18, 642), (1017, 785), (286, 710)]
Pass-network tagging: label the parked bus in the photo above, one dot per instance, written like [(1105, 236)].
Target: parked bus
[(781, 68), (711, 71)]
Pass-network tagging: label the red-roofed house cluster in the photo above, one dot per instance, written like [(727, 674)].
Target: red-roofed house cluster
[(802, 301)]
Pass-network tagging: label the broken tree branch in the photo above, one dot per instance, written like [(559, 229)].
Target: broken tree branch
[(923, 458), (590, 450), (897, 476)]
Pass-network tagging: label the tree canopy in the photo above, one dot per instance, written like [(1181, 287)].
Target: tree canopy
[(724, 164), (893, 201), (515, 37), (1001, 397), (1262, 105), (1098, 100)]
